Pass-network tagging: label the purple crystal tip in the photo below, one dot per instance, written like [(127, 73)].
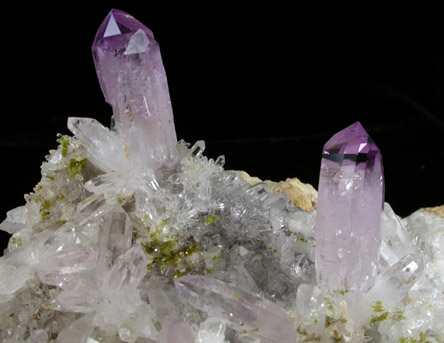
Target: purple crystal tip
[(350, 140), (350, 199), (115, 35), (118, 23)]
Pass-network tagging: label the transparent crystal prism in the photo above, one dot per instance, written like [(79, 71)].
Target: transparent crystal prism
[(133, 80), (245, 311), (391, 287), (350, 199)]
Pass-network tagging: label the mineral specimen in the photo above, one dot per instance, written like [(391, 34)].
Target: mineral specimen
[(348, 215), (133, 81), (120, 242)]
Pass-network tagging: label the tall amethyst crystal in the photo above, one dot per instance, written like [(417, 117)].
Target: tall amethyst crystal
[(351, 191), (134, 83)]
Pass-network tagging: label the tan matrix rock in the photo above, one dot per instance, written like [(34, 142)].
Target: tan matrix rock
[(302, 195), (438, 210)]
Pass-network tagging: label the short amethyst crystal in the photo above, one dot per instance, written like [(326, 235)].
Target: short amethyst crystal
[(133, 80), (351, 191)]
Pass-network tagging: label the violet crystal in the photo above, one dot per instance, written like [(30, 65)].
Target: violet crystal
[(349, 211), (133, 80)]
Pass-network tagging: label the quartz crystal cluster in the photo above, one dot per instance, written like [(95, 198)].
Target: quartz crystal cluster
[(133, 237)]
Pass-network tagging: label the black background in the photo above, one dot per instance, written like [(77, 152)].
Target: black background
[(264, 85)]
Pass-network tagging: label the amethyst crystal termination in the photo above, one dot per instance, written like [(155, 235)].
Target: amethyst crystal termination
[(133, 80), (350, 199)]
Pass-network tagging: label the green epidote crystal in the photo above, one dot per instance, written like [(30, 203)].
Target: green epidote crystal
[(64, 142), (76, 165), (44, 209)]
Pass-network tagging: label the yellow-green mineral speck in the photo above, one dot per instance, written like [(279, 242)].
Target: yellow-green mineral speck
[(377, 307), (44, 210), (421, 339), (211, 219), (379, 318), (64, 142), (76, 166)]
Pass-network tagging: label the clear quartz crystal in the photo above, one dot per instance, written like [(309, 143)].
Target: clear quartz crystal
[(15, 220), (391, 287), (161, 304), (127, 272), (427, 231), (100, 143), (54, 269), (115, 239), (348, 213), (309, 305), (395, 241), (245, 311), (211, 330)]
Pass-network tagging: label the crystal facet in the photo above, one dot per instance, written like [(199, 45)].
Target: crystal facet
[(133, 80), (395, 241), (348, 214), (390, 287), (245, 311)]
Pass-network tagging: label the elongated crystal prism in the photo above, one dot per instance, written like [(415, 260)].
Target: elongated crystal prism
[(54, 269), (351, 192), (133, 80), (244, 310), (395, 241)]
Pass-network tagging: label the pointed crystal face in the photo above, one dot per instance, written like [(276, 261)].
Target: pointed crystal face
[(133, 80), (348, 214), (113, 41)]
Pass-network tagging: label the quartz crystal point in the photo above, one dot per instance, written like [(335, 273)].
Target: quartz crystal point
[(309, 303), (391, 287), (350, 201), (54, 269), (99, 143), (395, 241), (244, 310), (211, 330), (133, 80)]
